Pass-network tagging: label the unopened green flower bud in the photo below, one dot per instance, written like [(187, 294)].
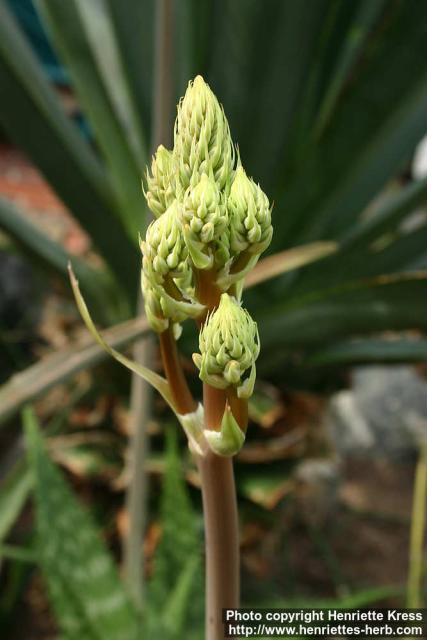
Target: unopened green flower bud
[(250, 215), (153, 307), (164, 250), (163, 309), (167, 270), (221, 250), (202, 138), (229, 346), (160, 192), (205, 219)]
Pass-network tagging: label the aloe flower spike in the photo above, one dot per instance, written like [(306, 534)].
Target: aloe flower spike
[(202, 138)]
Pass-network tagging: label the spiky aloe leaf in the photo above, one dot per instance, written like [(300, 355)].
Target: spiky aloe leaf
[(175, 592), (13, 495), (85, 590)]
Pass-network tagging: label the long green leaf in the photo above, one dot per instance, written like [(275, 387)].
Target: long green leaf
[(61, 365), (357, 308), (380, 160), (387, 216), (33, 117), (375, 127), (66, 23), (261, 86), (51, 254), (101, 35), (371, 350), (21, 554), (358, 599), (357, 257), (13, 495), (133, 27), (181, 601), (366, 16), (398, 253), (86, 592)]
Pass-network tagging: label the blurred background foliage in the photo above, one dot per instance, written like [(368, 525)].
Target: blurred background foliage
[(327, 100)]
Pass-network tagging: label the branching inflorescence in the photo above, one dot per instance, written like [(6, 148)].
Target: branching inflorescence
[(212, 222)]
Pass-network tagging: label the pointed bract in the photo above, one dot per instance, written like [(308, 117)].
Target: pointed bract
[(229, 440)]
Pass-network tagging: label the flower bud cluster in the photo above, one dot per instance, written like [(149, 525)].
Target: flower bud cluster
[(209, 215), (211, 224), (160, 192), (250, 211), (203, 142), (229, 346), (166, 273)]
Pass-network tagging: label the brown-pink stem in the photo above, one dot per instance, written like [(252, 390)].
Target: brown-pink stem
[(219, 497), (183, 399), (221, 540)]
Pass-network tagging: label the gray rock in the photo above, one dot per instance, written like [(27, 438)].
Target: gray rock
[(385, 412)]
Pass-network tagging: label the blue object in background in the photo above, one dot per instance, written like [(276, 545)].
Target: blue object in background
[(30, 23), (28, 19)]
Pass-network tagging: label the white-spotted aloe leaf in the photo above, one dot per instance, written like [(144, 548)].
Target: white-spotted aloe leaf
[(13, 495), (86, 593), (175, 591)]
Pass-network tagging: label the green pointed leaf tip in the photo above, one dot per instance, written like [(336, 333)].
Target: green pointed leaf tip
[(83, 583)]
